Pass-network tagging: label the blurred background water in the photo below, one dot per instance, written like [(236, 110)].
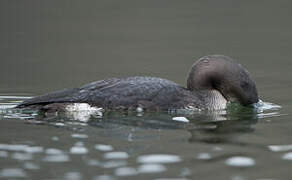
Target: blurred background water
[(50, 45)]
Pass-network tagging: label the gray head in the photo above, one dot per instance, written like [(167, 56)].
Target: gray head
[(222, 74)]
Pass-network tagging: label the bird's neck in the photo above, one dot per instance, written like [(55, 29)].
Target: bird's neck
[(214, 100)]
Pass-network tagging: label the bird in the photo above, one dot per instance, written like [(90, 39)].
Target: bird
[(212, 82)]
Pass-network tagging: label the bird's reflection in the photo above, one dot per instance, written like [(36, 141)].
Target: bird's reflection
[(224, 127), (209, 127)]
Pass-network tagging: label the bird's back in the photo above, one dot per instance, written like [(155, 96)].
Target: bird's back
[(115, 93)]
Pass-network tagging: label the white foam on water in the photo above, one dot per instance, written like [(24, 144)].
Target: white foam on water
[(139, 109), (151, 168), (279, 148), (22, 156), (59, 124), (158, 158), (13, 173), (78, 150), (81, 136), (13, 147), (116, 155), (21, 147), (263, 106), (267, 109), (4, 106), (53, 151), (125, 171), (55, 138), (287, 156), (181, 119), (103, 147), (240, 161)]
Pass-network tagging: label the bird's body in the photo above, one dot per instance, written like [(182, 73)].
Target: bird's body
[(212, 82), (125, 93)]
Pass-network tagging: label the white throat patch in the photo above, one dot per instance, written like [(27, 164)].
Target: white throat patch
[(216, 101)]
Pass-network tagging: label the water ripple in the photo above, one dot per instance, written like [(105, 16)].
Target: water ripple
[(103, 147), (151, 168), (21, 147), (158, 158), (240, 161), (57, 158), (287, 156), (13, 173), (116, 155), (278, 148), (125, 171)]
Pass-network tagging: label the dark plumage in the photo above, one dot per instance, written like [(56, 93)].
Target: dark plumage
[(212, 81)]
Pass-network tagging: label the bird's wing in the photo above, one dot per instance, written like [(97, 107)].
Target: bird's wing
[(110, 92), (68, 95)]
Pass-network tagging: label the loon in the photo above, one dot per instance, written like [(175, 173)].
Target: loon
[(212, 82)]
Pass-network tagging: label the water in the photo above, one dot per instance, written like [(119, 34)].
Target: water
[(115, 145), (52, 45)]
